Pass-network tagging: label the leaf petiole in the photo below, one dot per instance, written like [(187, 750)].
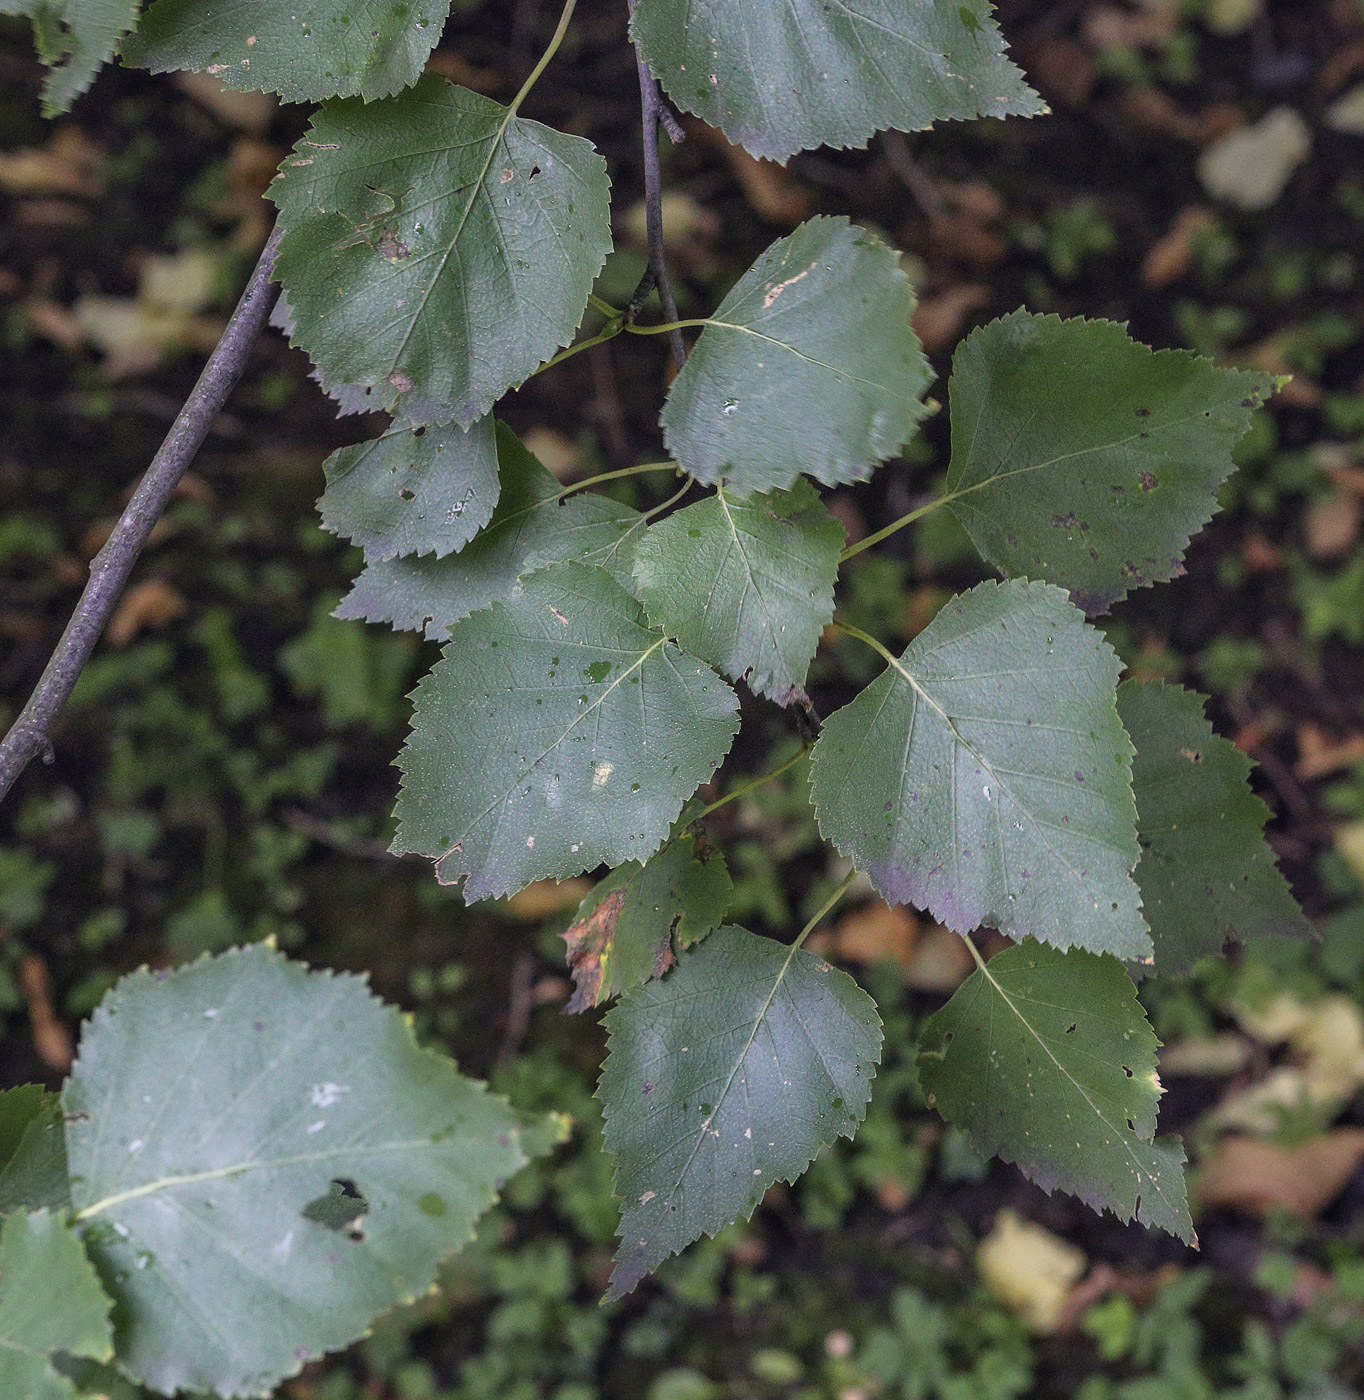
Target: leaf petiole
[(547, 57), (895, 525), (824, 908), (614, 476), (744, 788)]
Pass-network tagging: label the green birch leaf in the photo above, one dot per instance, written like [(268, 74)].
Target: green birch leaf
[(985, 775), (1046, 1060), (35, 1176), (783, 78), (211, 1116), (1206, 874), (809, 365), (338, 48), (728, 1074), (630, 928), (556, 733), (422, 490), (1082, 457), (746, 583), (438, 245), (18, 1108), (75, 39), (50, 1301), (530, 527)]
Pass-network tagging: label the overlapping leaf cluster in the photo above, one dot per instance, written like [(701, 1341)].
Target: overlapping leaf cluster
[(248, 1163), (439, 248)]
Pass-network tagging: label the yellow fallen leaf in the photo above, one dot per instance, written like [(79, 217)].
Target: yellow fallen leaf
[(1030, 1270)]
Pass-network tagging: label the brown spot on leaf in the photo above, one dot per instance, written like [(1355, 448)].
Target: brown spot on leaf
[(590, 942), (1148, 481), (390, 246)]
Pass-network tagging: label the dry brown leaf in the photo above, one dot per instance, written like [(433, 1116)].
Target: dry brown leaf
[(1332, 525), (1257, 1177), (1061, 70), (964, 239), (941, 962), (1320, 754), (147, 606), (458, 69), (1149, 24), (242, 111), (1157, 111), (55, 322), (1030, 1270), (939, 319), (51, 1039), (97, 536), (69, 164), (875, 932), (1171, 256), (1259, 554)]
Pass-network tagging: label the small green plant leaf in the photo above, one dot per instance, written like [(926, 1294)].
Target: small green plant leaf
[(557, 733), (210, 1115), (986, 777), (438, 245), (75, 39), (1082, 457), (50, 1301), (18, 1108), (35, 1172), (529, 528), (414, 490), (783, 78), (338, 48), (1206, 874), (631, 927), (745, 582), (1046, 1060), (809, 365), (728, 1074)]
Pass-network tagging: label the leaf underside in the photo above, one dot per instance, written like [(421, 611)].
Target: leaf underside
[(1082, 457), (557, 733), (783, 78), (335, 48), (438, 246), (1045, 1059), (630, 928), (1207, 873), (529, 528), (808, 365), (986, 776), (728, 1074), (745, 582), (423, 490), (210, 1109)]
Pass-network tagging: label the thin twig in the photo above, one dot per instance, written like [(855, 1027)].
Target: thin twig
[(109, 570), (655, 111)]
